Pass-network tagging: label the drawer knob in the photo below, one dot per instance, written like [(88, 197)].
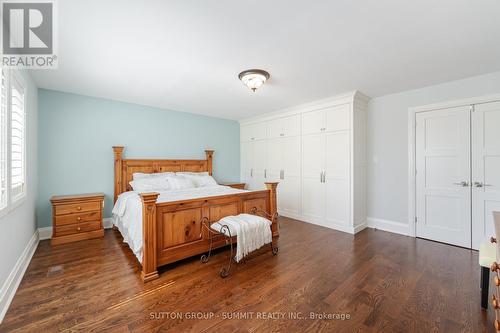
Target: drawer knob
[(79, 229), (78, 218), (78, 208)]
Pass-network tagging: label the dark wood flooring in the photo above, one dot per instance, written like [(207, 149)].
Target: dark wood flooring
[(384, 282)]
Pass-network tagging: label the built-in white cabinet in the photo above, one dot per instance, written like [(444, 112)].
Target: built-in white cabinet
[(253, 132), (283, 127), (317, 153)]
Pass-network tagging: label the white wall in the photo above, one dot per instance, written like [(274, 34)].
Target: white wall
[(18, 227), (387, 140)]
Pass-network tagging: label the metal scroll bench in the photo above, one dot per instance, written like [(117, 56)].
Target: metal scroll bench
[(226, 233)]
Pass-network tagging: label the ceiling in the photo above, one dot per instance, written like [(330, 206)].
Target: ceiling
[(186, 55)]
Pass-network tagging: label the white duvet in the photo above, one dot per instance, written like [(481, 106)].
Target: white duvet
[(127, 212)]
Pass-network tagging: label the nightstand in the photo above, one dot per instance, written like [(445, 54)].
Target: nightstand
[(77, 217), (240, 186)]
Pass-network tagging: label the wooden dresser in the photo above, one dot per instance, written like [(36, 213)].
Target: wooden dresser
[(77, 217), (237, 185)]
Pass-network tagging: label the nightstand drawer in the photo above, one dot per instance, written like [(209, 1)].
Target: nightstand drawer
[(77, 228), (77, 218), (77, 207)]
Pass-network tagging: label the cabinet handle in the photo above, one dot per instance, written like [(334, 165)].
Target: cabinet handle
[(251, 172), (265, 173), (321, 177), (78, 218), (78, 208), (282, 134), (79, 229), (324, 176), (282, 174), (479, 184)]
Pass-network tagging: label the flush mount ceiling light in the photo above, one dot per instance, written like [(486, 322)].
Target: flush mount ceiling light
[(254, 78)]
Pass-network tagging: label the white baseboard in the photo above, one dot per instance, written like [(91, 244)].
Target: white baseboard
[(10, 286), (387, 225), (46, 233)]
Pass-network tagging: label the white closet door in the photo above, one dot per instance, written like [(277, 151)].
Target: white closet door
[(291, 126), (274, 158), (338, 118), (486, 170), (443, 194), (259, 163), (313, 122), (313, 189), (337, 170), (246, 161), (289, 187)]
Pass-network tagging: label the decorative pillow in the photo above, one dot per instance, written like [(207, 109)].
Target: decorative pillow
[(140, 175), (151, 184), (179, 182)]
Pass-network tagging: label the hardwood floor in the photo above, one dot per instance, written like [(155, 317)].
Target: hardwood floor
[(383, 281)]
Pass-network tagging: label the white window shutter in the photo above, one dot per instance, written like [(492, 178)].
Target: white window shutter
[(3, 140), (18, 133)]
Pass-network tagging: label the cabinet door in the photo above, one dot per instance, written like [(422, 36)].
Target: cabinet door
[(274, 158), (245, 133), (289, 201), (259, 131), (338, 118), (313, 155), (246, 159), (337, 180), (259, 157), (313, 190), (313, 122), (289, 196), (290, 126), (275, 128)]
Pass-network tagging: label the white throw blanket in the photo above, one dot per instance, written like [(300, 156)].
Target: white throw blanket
[(251, 231)]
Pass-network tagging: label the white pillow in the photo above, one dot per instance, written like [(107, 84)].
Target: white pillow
[(140, 175), (180, 182), (150, 185), (202, 180)]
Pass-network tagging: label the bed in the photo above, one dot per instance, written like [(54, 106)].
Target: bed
[(166, 226)]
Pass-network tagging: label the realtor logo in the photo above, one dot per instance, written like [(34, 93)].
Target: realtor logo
[(28, 34)]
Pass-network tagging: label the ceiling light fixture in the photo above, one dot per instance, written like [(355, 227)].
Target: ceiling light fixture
[(254, 78)]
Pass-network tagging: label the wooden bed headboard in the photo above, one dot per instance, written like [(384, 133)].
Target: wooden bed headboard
[(125, 168)]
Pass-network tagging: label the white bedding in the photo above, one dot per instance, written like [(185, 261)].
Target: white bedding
[(127, 212)]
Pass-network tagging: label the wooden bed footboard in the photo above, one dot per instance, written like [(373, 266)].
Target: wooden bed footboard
[(173, 230)]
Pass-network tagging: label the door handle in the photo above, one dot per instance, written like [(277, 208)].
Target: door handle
[(479, 184), (463, 184)]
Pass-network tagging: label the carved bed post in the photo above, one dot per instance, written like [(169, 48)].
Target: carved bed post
[(118, 170), (273, 208), (149, 252), (209, 154)]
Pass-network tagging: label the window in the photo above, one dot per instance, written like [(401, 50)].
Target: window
[(3, 141), (12, 139), (17, 134)]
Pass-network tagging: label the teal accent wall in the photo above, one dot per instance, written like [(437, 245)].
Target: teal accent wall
[(76, 133)]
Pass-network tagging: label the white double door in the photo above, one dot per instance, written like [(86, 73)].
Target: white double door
[(283, 165), (276, 159), (458, 173), (325, 178)]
